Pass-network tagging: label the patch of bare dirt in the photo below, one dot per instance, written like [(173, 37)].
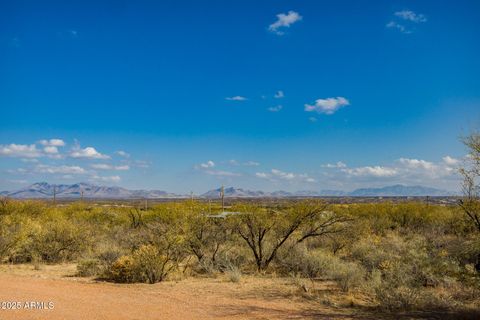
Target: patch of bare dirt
[(194, 298)]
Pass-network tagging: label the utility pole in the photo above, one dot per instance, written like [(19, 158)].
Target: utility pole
[(222, 195), (81, 195), (54, 195), (146, 204)]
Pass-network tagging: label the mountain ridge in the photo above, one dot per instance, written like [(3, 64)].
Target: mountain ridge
[(41, 190)]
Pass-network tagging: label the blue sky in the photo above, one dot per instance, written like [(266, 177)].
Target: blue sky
[(268, 95)]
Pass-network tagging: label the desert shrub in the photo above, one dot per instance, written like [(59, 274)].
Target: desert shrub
[(9, 237), (397, 298), (348, 275), (146, 264), (205, 266), (298, 261), (89, 268), (123, 270), (59, 240), (234, 274), (151, 265)]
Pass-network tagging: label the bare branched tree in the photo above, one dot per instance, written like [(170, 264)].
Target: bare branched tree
[(266, 231), (470, 203)]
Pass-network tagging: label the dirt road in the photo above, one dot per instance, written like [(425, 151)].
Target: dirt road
[(76, 298)]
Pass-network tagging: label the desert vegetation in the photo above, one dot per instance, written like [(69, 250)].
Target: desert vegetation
[(402, 256)]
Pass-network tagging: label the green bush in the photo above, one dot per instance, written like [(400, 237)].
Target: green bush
[(146, 264), (123, 270), (348, 275), (89, 268)]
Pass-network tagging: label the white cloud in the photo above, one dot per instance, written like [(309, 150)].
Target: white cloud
[(411, 16), (236, 98), (408, 171), (450, 161), (279, 94), (398, 26), (18, 171), (284, 21), (262, 175), (52, 142), (29, 160), (19, 150), (101, 166), (208, 164), (64, 169), (327, 106), (283, 175), (123, 154), (141, 164), (222, 173), (376, 171), (107, 179), (312, 119), (275, 109), (104, 166), (50, 150), (276, 174), (234, 162), (415, 163), (87, 153), (339, 164)]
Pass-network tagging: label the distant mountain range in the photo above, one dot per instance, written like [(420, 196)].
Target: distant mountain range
[(395, 190), (45, 190)]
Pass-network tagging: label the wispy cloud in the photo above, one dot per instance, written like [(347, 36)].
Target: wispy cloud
[(63, 169), (450, 161), (106, 178), (409, 171), (398, 26), (222, 173), (279, 94), (208, 164), (275, 109), (104, 166), (236, 98), (408, 19), (87, 153), (284, 21), (376, 171), (20, 151), (411, 16), (52, 142), (123, 154), (327, 106), (73, 33), (339, 164), (275, 175), (234, 162), (50, 150)]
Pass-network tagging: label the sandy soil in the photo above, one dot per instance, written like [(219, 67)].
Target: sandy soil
[(193, 298)]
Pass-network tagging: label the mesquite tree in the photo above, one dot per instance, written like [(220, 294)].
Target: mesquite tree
[(265, 231), (470, 203)]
